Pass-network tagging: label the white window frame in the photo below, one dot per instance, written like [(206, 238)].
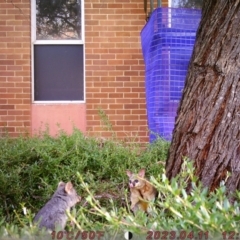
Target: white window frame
[(34, 41)]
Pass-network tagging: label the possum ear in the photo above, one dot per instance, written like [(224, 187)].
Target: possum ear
[(129, 173), (60, 184), (141, 173), (68, 187)]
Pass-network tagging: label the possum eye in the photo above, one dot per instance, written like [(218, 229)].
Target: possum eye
[(136, 181)]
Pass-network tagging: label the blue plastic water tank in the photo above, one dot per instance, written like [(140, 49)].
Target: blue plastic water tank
[(167, 43)]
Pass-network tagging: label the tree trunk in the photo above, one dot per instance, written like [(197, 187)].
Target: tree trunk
[(207, 127)]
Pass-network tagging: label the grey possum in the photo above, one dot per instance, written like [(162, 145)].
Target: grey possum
[(53, 214)]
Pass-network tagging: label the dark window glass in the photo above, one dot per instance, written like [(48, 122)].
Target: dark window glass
[(58, 19), (58, 73), (187, 3)]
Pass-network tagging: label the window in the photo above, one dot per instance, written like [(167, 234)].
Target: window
[(186, 3), (57, 51)]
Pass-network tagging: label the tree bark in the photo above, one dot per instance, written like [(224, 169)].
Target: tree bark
[(207, 127)]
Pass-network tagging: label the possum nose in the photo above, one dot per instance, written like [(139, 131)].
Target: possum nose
[(78, 198), (131, 185)]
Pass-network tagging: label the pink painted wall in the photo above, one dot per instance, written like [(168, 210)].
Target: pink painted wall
[(58, 116)]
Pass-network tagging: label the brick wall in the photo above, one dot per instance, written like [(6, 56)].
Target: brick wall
[(114, 67), (15, 71)]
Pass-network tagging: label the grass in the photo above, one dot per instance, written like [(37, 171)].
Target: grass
[(30, 169)]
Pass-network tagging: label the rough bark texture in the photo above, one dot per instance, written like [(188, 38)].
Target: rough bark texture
[(207, 128)]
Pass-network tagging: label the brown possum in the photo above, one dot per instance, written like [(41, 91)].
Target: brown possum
[(141, 191)]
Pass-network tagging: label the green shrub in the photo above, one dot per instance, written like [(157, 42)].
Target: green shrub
[(30, 169)]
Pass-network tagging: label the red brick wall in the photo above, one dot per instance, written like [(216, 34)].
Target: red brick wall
[(15, 74), (115, 67)]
